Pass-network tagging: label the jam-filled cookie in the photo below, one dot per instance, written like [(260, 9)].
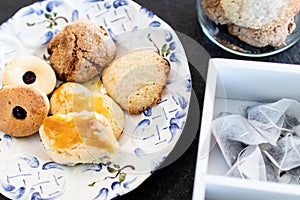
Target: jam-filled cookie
[(30, 70), (74, 97), (84, 137), (22, 110)]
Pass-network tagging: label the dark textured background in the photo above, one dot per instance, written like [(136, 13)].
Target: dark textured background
[(176, 180)]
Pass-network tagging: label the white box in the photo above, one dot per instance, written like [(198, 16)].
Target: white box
[(236, 80)]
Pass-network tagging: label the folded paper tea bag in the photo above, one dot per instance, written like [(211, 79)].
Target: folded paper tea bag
[(286, 154), (233, 133), (250, 165), (269, 119)]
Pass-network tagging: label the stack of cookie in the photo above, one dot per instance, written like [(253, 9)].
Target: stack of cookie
[(256, 22)]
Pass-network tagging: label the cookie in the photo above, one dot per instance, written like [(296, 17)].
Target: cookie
[(259, 14), (74, 97), (22, 110), (214, 11), (30, 70), (136, 80), (81, 51), (66, 95), (73, 138), (273, 36)]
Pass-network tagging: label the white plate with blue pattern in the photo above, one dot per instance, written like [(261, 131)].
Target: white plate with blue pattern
[(25, 170)]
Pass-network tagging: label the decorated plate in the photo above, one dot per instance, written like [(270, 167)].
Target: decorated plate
[(25, 170)]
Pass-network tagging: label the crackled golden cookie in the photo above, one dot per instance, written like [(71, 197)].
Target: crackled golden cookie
[(81, 51)]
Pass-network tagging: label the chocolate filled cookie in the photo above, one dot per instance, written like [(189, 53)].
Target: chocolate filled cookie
[(81, 51)]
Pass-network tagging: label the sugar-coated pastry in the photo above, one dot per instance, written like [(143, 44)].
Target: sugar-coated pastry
[(30, 70), (74, 97), (137, 79), (74, 138), (81, 51), (22, 110)]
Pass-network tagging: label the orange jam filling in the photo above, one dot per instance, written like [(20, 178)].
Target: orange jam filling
[(61, 131)]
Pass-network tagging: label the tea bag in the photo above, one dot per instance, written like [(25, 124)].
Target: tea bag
[(233, 133), (293, 118), (294, 174), (250, 164), (272, 171), (269, 119), (230, 150), (286, 154), (237, 128)]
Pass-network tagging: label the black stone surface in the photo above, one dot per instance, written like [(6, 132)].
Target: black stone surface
[(176, 180)]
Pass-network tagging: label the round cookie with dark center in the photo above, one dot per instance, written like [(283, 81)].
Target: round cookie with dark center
[(30, 70), (81, 51), (22, 110)]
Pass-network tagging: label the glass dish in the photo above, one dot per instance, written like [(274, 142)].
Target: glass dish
[(219, 35)]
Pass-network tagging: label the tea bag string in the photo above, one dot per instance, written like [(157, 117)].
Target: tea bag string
[(275, 125), (239, 162), (285, 153)]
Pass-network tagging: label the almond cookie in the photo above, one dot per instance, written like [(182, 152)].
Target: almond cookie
[(22, 110), (81, 51), (137, 79), (30, 70)]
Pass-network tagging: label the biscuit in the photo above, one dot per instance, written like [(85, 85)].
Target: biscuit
[(74, 138), (273, 36), (259, 14), (22, 110), (81, 51), (214, 11), (30, 70), (74, 97), (136, 80)]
